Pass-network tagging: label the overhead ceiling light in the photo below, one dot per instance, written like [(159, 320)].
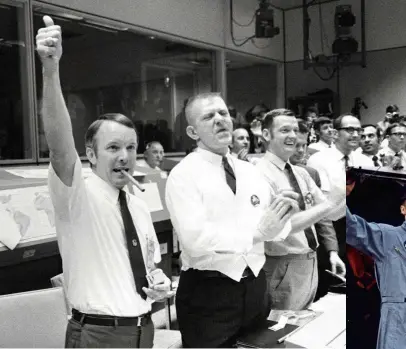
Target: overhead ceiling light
[(152, 37)]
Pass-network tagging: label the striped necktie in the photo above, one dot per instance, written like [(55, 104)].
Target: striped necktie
[(311, 239), (230, 175)]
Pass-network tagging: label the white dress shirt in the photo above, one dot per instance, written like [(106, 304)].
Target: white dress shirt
[(92, 243), (330, 164), (320, 145), (143, 163), (390, 153), (215, 226), (273, 168)]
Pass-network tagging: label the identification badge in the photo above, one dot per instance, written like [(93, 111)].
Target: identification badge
[(255, 200)]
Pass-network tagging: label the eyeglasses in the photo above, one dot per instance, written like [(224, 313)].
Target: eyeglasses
[(351, 130), (398, 134)]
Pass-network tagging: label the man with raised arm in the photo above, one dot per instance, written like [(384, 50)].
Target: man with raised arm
[(106, 237)]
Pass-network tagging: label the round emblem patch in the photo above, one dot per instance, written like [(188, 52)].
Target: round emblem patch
[(255, 200), (308, 198)]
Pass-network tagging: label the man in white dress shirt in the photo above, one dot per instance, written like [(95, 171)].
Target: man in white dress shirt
[(106, 237), (220, 209), (332, 163), (291, 265)]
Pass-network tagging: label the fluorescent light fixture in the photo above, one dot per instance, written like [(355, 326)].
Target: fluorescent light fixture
[(99, 27), (105, 25)]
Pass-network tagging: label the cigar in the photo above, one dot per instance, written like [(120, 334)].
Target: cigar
[(133, 181)]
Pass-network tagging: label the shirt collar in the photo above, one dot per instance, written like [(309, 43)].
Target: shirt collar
[(209, 156), (109, 191), (276, 160)]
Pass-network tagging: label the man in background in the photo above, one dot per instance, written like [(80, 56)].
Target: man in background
[(153, 156), (370, 142), (323, 126)]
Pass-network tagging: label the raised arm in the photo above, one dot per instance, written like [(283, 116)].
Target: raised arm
[(57, 123)]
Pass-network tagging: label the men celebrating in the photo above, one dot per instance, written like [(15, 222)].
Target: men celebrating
[(220, 208), (106, 237), (291, 265)]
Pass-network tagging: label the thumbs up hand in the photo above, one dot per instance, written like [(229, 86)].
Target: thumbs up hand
[(49, 44)]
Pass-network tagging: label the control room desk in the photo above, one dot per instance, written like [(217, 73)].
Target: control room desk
[(325, 331)]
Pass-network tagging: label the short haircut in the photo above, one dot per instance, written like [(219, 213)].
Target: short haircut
[(392, 108), (338, 121), (378, 129), (271, 115), (388, 131), (194, 99), (90, 136), (319, 122), (303, 129)]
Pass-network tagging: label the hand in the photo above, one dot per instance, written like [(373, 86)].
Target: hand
[(276, 216), (49, 44), (159, 292), (337, 265)]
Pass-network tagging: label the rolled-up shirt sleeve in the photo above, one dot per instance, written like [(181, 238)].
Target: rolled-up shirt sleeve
[(66, 199)]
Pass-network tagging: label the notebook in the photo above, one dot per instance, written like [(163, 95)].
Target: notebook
[(262, 337)]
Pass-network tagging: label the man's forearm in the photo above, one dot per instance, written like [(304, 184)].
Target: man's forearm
[(309, 217), (57, 123)]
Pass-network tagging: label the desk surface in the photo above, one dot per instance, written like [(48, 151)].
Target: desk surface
[(328, 329)]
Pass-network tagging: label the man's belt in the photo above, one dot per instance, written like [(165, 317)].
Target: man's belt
[(213, 273), (106, 320)]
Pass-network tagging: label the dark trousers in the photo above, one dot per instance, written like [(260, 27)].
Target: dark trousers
[(213, 311), (93, 336)]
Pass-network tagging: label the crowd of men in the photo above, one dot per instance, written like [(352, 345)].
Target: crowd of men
[(258, 229)]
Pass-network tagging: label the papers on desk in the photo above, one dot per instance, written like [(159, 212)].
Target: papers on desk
[(326, 331), (150, 196)]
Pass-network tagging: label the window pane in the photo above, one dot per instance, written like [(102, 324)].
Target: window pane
[(15, 136), (104, 70), (250, 83)]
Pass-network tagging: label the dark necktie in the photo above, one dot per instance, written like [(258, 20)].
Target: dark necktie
[(311, 239), (133, 245), (230, 176), (346, 161), (375, 160)]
